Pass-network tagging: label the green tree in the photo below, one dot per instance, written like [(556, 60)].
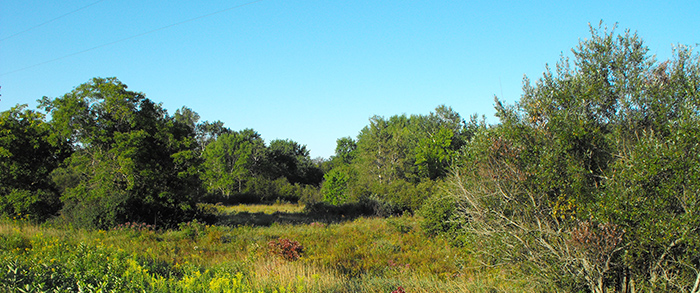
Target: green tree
[(291, 160), (345, 150), (231, 160), (440, 135), (382, 150), (207, 132), (434, 153), (132, 161), (395, 158), (28, 155)]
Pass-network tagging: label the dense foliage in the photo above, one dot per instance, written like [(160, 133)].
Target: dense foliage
[(28, 154), (109, 156), (399, 160), (592, 178), (131, 160)]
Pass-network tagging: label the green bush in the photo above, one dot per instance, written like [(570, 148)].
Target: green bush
[(591, 179), (440, 215), (335, 187)]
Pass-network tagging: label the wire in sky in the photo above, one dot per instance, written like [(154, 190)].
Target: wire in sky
[(132, 37), (50, 20)]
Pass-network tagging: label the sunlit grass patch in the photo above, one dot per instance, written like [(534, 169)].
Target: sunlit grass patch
[(261, 208)]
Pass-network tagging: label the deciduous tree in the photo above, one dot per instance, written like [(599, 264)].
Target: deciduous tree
[(28, 154), (132, 161)]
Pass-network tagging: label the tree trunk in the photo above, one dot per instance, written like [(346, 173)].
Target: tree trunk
[(627, 282)]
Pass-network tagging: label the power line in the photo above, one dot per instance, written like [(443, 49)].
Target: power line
[(132, 37), (51, 20)]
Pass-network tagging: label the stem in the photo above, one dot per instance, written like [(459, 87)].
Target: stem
[(696, 287)]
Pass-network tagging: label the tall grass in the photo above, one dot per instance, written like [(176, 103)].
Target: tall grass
[(362, 255)]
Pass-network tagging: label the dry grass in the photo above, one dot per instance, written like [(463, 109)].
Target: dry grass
[(273, 272)]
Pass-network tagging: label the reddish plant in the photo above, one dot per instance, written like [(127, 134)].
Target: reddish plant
[(287, 249), (399, 290)]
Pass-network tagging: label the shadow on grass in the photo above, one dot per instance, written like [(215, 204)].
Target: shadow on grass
[(262, 219), (318, 212)]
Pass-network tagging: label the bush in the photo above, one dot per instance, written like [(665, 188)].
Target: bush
[(440, 215), (335, 187), (407, 195), (286, 249), (380, 207)]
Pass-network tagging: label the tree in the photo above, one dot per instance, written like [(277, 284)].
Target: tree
[(291, 160), (434, 153), (345, 150), (207, 132), (398, 160), (335, 187), (131, 160), (27, 156), (231, 160), (382, 150), (187, 117)]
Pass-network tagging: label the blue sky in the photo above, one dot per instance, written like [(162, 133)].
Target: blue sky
[(312, 71)]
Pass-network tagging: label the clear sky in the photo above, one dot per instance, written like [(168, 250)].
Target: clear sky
[(311, 70)]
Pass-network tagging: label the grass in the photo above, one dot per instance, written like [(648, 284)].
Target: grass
[(359, 255), (261, 208)]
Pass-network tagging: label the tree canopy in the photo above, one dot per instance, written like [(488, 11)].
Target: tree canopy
[(28, 154), (131, 160)]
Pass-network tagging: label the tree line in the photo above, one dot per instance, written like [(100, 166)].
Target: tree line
[(108, 155), (589, 182)]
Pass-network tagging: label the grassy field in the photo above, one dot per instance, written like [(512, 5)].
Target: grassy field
[(275, 248)]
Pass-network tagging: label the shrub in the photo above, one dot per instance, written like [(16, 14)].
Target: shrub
[(310, 194), (287, 249), (381, 207), (335, 186), (440, 215)]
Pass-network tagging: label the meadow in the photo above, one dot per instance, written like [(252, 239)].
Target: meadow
[(252, 248)]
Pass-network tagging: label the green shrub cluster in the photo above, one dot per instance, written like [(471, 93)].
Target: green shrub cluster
[(440, 215), (590, 180)]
